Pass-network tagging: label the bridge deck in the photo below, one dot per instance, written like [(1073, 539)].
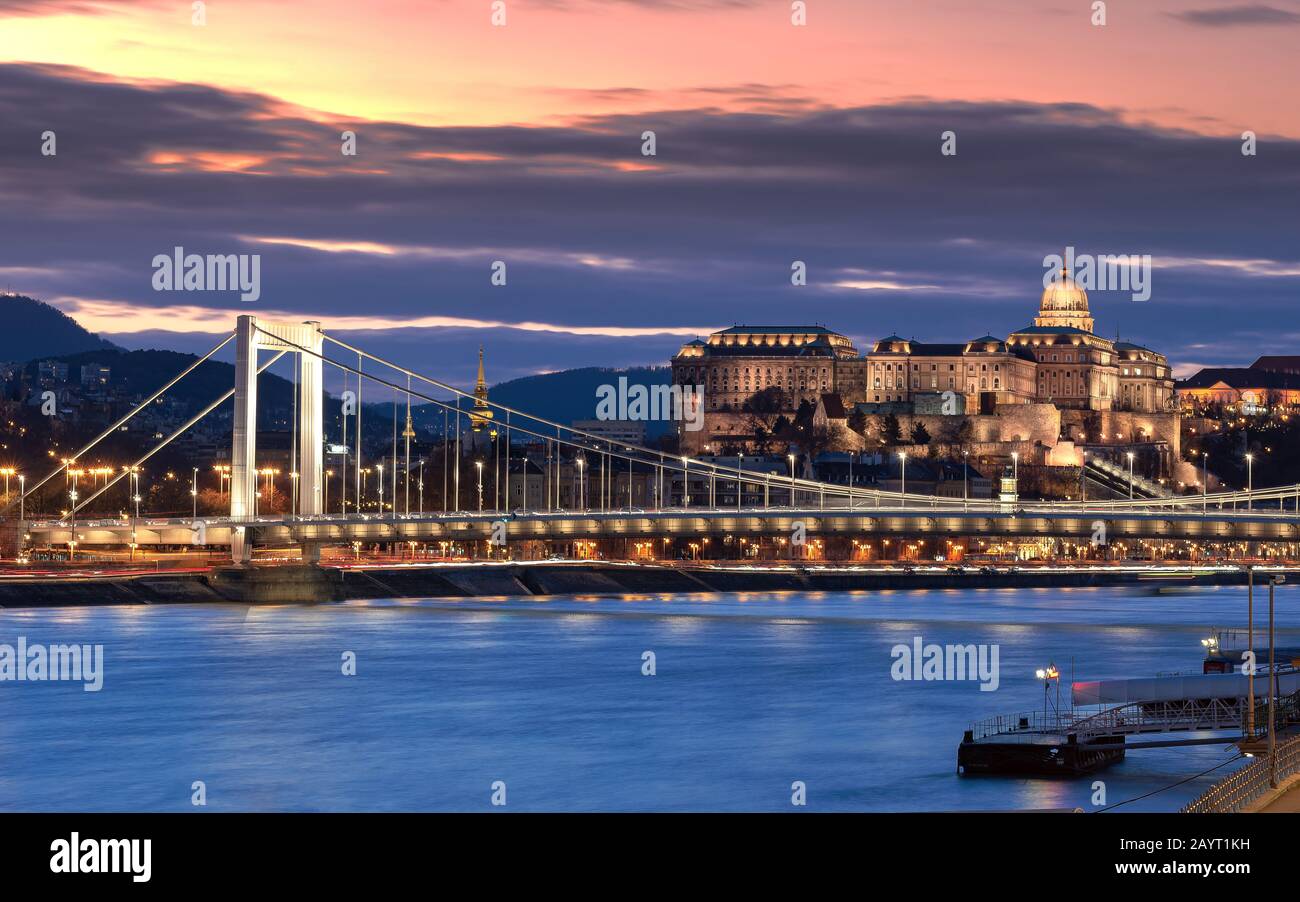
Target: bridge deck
[(1048, 520)]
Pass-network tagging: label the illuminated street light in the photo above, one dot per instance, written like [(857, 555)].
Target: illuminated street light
[(1049, 675), (1250, 480), (421, 486), (582, 495), (791, 458), (686, 482), (902, 492), (965, 490), (740, 485)]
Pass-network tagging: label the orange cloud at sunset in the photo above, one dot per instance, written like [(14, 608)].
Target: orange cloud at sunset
[(1197, 66)]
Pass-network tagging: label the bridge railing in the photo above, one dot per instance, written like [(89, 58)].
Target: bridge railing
[(663, 466), (1242, 788)]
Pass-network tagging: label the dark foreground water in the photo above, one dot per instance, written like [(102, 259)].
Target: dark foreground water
[(752, 693)]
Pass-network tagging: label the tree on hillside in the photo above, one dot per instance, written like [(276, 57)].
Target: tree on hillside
[(920, 435), (957, 431), (890, 432), (857, 421), (764, 411)]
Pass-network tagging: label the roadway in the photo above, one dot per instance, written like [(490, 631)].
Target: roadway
[(1121, 520)]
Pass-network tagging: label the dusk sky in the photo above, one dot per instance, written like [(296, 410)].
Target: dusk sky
[(775, 143)]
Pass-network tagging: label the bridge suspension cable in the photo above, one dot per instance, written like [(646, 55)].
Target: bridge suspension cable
[(181, 430), (121, 422), (650, 456), (599, 445)]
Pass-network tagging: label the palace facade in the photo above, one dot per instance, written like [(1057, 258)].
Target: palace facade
[(1057, 360)]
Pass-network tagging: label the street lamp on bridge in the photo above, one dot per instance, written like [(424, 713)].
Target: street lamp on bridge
[(582, 493), (1250, 480), (740, 485), (902, 468), (791, 458), (965, 484)]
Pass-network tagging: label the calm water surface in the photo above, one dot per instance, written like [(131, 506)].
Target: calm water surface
[(752, 692)]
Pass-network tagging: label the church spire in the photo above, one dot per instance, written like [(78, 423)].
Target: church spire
[(482, 416)]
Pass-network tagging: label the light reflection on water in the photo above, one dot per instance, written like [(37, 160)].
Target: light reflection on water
[(752, 692)]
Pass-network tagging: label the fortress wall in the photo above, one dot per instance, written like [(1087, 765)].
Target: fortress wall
[(1029, 423)]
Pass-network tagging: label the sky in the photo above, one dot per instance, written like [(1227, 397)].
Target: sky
[(523, 143)]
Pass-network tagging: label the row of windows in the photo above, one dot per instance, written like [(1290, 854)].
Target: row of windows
[(916, 367), (759, 371), (901, 383)]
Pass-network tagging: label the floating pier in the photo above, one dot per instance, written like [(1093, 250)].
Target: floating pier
[(1106, 715)]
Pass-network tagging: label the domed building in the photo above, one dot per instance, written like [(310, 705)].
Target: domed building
[(1064, 303), (1057, 360)]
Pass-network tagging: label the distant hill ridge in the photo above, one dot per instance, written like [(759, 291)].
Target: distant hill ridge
[(38, 331), (34, 329), (563, 396)]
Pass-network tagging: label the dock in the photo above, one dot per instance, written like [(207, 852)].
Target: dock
[(1105, 716)]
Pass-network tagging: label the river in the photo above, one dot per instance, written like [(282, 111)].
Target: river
[(750, 694)]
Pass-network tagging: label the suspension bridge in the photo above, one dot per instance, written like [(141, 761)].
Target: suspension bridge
[(680, 497)]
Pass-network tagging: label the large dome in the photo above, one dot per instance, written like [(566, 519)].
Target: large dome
[(1063, 294), (1064, 304)]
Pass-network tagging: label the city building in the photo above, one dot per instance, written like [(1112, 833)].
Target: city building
[(1278, 364), (95, 374), (804, 362), (627, 432), (1250, 388), (1057, 361), (49, 372)]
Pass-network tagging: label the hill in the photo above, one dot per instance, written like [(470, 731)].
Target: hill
[(563, 397), (34, 329)]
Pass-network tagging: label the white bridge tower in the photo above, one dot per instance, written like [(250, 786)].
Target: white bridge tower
[(307, 341)]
